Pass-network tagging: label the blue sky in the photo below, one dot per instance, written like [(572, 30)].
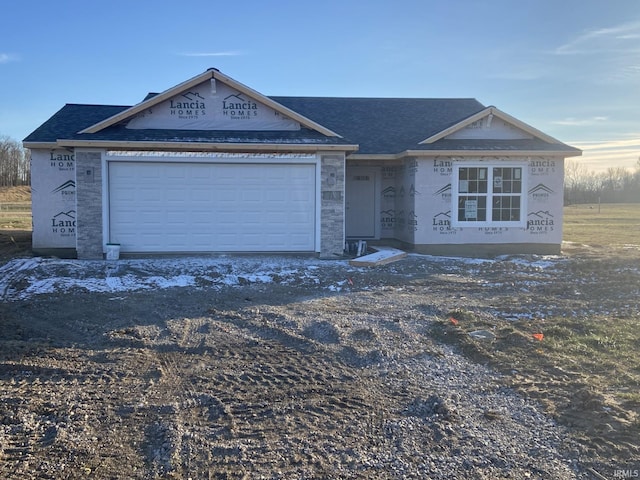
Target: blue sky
[(570, 68)]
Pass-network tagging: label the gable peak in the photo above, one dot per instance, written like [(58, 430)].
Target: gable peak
[(210, 101), (490, 124)]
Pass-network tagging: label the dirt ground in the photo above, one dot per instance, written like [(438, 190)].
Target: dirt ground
[(323, 371), (14, 243)]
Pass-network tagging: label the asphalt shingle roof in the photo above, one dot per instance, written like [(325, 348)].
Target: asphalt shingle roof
[(384, 125), (377, 125), (70, 119), (73, 118)]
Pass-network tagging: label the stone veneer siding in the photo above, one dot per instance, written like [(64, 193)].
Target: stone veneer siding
[(89, 205), (332, 184)]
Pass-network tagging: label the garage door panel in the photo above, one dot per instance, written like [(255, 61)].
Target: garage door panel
[(199, 194), (175, 198), (176, 239), (158, 207), (256, 196)]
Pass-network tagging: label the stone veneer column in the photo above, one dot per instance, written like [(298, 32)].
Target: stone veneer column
[(332, 207), (89, 205)]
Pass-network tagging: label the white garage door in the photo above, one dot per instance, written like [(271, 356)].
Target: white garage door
[(175, 207)]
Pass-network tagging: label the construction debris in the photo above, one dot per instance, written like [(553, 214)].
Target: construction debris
[(381, 256)]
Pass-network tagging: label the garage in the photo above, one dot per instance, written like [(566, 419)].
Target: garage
[(205, 207)]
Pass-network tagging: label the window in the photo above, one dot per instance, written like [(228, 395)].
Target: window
[(489, 195)]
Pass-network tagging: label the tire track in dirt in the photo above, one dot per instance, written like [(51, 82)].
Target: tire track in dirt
[(63, 415), (232, 392), (16, 438)]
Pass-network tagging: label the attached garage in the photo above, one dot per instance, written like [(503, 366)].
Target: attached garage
[(168, 206)]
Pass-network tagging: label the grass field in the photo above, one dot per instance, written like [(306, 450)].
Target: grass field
[(15, 216), (15, 208), (606, 224)]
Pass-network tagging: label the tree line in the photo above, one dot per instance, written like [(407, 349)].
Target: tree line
[(15, 165), (614, 185)]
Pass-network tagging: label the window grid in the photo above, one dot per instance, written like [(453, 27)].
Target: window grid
[(489, 194), (472, 208)]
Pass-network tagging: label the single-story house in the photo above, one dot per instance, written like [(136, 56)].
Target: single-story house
[(211, 165)]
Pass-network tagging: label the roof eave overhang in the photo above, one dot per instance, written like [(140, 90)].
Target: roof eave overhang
[(197, 80), (40, 145), (464, 153), (203, 146), (374, 156), (491, 153)]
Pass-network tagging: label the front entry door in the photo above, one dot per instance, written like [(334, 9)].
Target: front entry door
[(360, 203)]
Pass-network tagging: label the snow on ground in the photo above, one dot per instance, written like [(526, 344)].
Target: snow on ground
[(22, 278)]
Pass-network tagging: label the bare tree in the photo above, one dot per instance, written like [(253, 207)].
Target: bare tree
[(613, 182), (575, 180), (615, 185), (14, 163)]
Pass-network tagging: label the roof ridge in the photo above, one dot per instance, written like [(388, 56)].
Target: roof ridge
[(319, 97), (94, 105)]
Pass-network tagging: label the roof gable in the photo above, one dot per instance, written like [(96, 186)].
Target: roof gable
[(210, 101), (490, 124)]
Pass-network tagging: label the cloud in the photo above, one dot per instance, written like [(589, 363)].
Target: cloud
[(601, 161), (619, 38), (632, 144), (580, 122), (211, 54), (599, 155), (7, 57)]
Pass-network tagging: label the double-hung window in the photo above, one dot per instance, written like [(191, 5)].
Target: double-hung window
[(489, 195)]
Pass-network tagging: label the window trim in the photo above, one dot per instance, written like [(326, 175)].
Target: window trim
[(455, 194)]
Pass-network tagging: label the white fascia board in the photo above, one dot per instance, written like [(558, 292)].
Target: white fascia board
[(40, 145), (140, 107), (275, 105)]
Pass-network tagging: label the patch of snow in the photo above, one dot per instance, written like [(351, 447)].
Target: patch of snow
[(464, 260), (21, 279)]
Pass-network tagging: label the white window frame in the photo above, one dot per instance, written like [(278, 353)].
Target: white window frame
[(489, 222)]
